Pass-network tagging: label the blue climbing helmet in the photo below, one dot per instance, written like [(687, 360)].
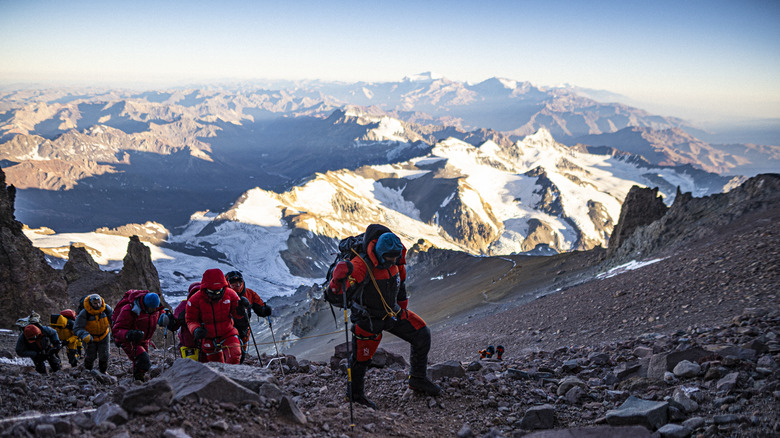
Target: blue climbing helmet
[(151, 301), (388, 244)]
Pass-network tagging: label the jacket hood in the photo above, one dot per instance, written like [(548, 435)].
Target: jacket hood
[(91, 310), (213, 279)]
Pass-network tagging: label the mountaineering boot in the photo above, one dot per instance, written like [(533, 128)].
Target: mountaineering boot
[(424, 385), (102, 366), (358, 380), (362, 400), (139, 375), (88, 365)]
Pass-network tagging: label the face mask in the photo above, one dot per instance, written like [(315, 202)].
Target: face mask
[(214, 293)]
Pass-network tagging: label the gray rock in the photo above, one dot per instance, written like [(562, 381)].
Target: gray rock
[(767, 362), (538, 417), (220, 425), (450, 368), (598, 358), (694, 423), (574, 395), (568, 383), (474, 366), (643, 351), (250, 377), (661, 363), (465, 431), (175, 433), (271, 392), (640, 412), (45, 431), (109, 412), (674, 431), (726, 419), (192, 379), (728, 382), (288, 409), (594, 432), (149, 398), (687, 369), (626, 370), (517, 374), (684, 401)]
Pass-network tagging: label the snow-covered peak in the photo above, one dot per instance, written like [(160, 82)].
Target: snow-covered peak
[(508, 83), (542, 137), (423, 77)]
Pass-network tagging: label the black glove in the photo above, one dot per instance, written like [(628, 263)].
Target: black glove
[(56, 345), (243, 305), (263, 311), (199, 334), (134, 335)]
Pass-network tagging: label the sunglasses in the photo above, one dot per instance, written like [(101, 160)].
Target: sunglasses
[(215, 291)]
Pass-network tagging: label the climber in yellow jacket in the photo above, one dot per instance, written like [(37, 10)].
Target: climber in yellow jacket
[(93, 325), (64, 323)]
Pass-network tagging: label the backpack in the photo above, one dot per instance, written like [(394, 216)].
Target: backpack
[(349, 247), (126, 299)]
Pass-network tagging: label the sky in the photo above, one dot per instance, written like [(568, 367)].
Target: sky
[(702, 59)]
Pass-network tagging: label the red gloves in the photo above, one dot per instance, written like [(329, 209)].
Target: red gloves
[(340, 274), (342, 270)]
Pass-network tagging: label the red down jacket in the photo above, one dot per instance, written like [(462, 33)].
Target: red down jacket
[(127, 319), (216, 315)]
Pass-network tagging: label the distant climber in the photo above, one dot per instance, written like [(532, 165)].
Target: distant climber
[(137, 316), (93, 325), (236, 281), (40, 344), (487, 352), (382, 306), (209, 316), (64, 323)]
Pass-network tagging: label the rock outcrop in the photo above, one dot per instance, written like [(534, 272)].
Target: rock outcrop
[(85, 276), (692, 219), (27, 282), (642, 206)]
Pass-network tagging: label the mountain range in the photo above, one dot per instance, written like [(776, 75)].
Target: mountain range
[(494, 168)]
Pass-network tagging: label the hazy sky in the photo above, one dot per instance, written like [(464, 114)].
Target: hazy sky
[(684, 57)]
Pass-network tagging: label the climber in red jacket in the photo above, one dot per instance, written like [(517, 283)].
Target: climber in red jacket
[(209, 316)]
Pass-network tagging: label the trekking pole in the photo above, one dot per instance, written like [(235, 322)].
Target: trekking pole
[(277, 347), (248, 317), (165, 348), (349, 349)]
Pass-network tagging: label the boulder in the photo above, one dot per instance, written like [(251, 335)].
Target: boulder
[(661, 363), (686, 369), (538, 417), (289, 410), (640, 412), (193, 379), (450, 368), (110, 412), (250, 377), (152, 397)]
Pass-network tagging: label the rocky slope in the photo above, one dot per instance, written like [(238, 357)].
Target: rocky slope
[(685, 346)]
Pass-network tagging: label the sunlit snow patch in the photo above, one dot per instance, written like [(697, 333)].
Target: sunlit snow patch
[(630, 266)]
